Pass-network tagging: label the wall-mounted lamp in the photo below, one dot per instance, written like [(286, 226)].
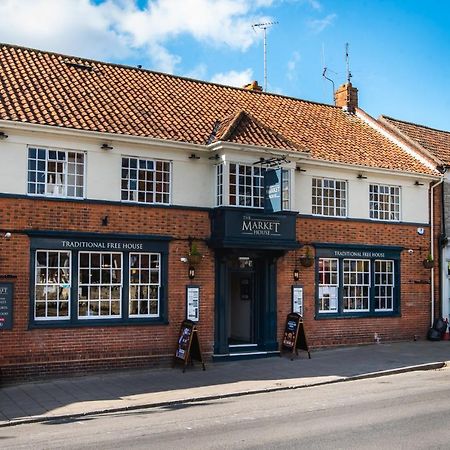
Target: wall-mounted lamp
[(7, 236), (105, 221), (3, 135), (296, 274), (299, 169), (361, 177), (106, 147), (193, 156), (191, 272), (417, 183)]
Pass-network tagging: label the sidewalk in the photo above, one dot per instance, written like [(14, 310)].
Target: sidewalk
[(77, 396)]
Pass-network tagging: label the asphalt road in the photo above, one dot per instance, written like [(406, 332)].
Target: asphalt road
[(406, 411)]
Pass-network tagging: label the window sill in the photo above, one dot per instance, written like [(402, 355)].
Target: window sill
[(96, 323), (364, 315)]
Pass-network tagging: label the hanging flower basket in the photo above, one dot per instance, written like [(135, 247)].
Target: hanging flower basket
[(428, 263), (193, 260), (306, 261)]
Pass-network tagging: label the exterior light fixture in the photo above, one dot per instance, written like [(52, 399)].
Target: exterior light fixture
[(417, 183), (105, 221), (106, 147), (361, 177), (3, 135), (191, 272), (296, 274), (193, 156)]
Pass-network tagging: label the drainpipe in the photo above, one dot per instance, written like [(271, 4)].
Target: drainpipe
[(432, 243)]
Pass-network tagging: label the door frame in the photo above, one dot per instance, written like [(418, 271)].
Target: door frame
[(266, 317)]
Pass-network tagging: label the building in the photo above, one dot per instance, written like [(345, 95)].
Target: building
[(114, 179), (433, 144)]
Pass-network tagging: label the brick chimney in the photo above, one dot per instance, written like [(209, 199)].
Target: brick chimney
[(346, 97), (253, 86)]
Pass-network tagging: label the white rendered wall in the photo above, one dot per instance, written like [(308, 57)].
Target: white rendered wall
[(194, 180), (413, 199)]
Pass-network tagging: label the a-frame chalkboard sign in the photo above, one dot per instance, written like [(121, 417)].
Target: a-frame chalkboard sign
[(294, 337), (188, 346)]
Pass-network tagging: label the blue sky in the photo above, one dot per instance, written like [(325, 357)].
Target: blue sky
[(398, 49)]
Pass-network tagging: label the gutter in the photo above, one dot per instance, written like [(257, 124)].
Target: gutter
[(435, 185)]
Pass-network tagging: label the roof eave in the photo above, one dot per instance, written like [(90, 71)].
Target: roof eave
[(224, 145)]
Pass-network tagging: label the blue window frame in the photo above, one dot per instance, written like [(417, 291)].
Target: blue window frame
[(357, 281), (81, 279)]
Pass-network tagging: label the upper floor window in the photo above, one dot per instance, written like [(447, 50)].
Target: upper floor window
[(58, 173), (243, 185), (329, 197), (145, 180), (246, 185), (384, 202)]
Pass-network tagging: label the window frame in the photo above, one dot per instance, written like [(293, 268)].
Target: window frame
[(314, 197), (150, 245), (391, 255), (373, 212), (138, 169), (223, 185), (46, 172)]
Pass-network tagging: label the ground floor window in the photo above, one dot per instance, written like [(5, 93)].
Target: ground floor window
[(97, 281), (354, 281)]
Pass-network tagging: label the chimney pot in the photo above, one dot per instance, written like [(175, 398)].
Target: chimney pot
[(346, 97)]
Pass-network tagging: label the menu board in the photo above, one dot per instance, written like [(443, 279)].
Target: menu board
[(290, 331), (192, 303), (294, 337), (6, 306), (297, 299), (184, 340), (188, 345)]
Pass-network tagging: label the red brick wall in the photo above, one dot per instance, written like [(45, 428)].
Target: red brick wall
[(39, 352)]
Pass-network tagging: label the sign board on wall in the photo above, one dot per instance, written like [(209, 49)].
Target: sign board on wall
[(273, 190), (6, 306), (192, 303)]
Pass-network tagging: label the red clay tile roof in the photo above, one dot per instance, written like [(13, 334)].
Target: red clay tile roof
[(437, 142), (243, 128), (62, 91)]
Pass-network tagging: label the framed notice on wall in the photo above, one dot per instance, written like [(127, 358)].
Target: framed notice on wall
[(6, 306), (192, 303), (297, 299)]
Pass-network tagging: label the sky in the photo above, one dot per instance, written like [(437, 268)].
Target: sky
[(398, 49)]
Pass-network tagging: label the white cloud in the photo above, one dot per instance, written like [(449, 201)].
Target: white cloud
[(318, 25), (117, 29), (234, 78), (198, 72), (292, 66)]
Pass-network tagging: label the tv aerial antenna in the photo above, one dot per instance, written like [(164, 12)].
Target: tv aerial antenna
[(347, 63), (264, 26)]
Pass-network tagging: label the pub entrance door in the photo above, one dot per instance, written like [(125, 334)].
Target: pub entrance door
[(245, 313)]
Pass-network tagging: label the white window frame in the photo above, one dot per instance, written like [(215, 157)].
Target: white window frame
[(391, 285), (129, 191), (148, 285), (318, 209), (220, 185), (389, 213), (56, 285), (355, 287), (55, 189), (332, 288), (99, 285), (237, 195)]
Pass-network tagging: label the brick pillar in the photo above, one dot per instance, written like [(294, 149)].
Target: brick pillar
[(346, 96)]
